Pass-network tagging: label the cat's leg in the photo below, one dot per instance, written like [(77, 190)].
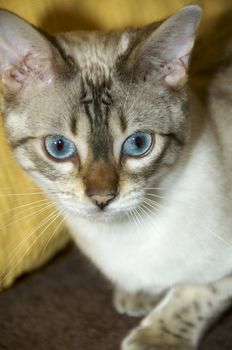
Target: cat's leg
[(134, 304), (179, 321)]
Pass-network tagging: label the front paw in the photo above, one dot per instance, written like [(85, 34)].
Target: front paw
[(144, 338), (137, 304)]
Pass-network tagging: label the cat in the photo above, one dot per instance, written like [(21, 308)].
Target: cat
[(105, 123)]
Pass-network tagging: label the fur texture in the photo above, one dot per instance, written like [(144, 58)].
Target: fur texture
[(165, 223)]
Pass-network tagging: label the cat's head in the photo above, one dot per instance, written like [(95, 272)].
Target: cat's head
[(97, 118)]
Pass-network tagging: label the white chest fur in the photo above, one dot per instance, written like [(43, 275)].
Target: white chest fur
[(181, 244)]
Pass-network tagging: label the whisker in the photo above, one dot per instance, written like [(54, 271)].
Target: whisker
[(207, 229), (134, 219), (147, 213), (55, 231), (28, 249), (35, 229), (26, 193), (141, 217), (24, 205), (145, 204), (26, 216), (155, 195), (153, 203), (138, 219), (154, 188)]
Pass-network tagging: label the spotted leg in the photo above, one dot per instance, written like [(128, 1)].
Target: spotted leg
[(180, 319)]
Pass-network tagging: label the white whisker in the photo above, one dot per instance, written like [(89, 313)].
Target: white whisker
[(154, 204), (145, 204), (135, 220), (138, 216), (55, 231), (26, 193), (29, 248), (27, 216), (35, 229), (31, 204), (155, 195)]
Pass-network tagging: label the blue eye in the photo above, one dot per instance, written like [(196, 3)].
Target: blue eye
[(137, 144), (59, 147)]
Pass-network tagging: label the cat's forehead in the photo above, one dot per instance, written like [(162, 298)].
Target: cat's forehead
[(95, 91), (95, 53)]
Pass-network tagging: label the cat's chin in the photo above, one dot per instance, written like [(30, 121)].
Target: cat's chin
[(99, 216)]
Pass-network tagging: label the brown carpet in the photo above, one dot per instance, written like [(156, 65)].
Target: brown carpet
[(67, 306)]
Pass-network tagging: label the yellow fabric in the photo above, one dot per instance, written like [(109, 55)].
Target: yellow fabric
[(26, 239), (22, 246)]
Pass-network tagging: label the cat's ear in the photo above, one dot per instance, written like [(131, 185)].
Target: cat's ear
[(165, 53), (25, 54)]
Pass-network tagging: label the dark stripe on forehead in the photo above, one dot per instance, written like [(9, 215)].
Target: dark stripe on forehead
[(97, 101), (73, 125), (89, 115), (97, 96), (123, 122), (97, 106), (101, 143)]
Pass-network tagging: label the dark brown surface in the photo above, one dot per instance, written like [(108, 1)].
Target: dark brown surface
[(67, 306)]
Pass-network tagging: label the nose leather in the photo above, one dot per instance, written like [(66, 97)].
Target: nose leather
[(102, 200)]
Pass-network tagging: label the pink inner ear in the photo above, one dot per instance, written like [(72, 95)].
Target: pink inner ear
[(175, 74), (15, 77)]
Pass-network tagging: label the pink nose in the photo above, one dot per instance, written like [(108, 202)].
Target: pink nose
[(102, 200)]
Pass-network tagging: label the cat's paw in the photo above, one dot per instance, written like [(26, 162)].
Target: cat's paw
[(136, 305), (144, 338)]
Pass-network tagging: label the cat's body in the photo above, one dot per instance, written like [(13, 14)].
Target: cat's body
[(105, 124)]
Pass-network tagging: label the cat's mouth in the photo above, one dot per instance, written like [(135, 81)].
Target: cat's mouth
[(117, 209), (97, 214)]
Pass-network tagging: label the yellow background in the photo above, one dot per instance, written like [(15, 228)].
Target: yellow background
[(19, 252), (58, 15)]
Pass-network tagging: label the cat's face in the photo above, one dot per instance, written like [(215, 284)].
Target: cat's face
[(97, 119)]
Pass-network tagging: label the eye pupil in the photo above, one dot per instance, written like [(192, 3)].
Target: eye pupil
[(59, 145), (139, 142)]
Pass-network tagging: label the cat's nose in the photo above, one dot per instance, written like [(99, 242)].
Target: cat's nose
[(102, 200)]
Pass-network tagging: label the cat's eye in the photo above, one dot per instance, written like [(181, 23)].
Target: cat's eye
[(59, 147), (137, 145)]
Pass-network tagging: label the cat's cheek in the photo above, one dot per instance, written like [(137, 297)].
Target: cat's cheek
[(66, 169), (22, 157), (42, 181), (15, 126), (29, 167)]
